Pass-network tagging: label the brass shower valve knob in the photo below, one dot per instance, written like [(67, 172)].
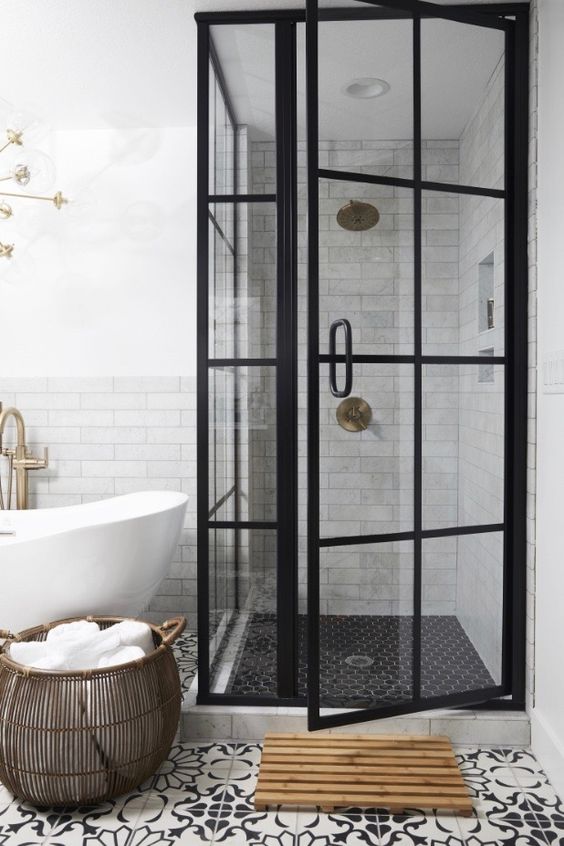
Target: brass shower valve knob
[(354, 414)]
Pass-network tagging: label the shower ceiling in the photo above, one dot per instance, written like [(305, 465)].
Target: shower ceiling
[(347, 52)]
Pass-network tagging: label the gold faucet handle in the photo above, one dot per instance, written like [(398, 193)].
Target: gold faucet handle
[(30, 462), (39, 463)]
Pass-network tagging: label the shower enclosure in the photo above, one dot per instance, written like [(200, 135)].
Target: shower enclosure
[(362, 368)]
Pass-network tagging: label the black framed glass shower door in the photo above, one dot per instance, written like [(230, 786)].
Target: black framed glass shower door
[(416, 369), (416, 524)]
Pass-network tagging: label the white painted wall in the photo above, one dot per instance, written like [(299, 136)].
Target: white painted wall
[(106, 286), (548, 713)]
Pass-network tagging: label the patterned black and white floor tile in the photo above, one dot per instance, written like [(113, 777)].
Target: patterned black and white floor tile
[(21, 823), (203, 794), (186, 654), (108, 824)]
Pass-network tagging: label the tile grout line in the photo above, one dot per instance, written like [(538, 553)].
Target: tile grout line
[(49, 834), (141, 809)]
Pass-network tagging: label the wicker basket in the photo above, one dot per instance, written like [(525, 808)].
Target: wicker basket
[(81, 737)]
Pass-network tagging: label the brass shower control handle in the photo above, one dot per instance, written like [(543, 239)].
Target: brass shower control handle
[(354, 414), (31, 462)]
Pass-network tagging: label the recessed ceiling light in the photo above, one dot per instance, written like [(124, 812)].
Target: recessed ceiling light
[(366, 88)]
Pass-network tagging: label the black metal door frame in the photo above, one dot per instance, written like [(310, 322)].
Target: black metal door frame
[(514, 362), (286, 361)]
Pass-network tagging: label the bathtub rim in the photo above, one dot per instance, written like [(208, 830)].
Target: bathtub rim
[(170, 501)]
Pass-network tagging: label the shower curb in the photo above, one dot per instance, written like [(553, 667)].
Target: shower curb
[(488, 728)]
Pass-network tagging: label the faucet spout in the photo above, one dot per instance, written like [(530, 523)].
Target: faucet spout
[(20, 425)]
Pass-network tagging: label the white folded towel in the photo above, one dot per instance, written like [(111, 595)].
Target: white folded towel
[(134, 633), (70, 631), (85, 655), (52, 661), (82, 645), (122, 655), (29, 652)]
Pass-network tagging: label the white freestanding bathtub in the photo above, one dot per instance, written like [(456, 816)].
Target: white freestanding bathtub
[(104, 557)]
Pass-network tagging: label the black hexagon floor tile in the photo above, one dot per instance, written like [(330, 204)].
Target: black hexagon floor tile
[(365, 660)]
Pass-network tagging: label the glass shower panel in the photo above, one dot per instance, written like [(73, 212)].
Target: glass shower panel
[(222, 135), (463, 445), (462, 613), (220, 583), (223, 329), (242, 289), (366, 625), (243, 622), (212, 88), (462, 103), (246, 56), (222, 439), (366, 268), (242, 420), (366, 96), (366, 452), (463, 274), (224, 145)]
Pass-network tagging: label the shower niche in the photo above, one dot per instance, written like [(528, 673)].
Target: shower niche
[(362, 289)]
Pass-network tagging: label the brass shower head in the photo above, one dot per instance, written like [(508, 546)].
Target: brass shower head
[(358, 217)]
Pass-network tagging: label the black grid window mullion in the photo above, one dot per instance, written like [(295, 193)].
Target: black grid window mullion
[(401, 182), (203, 372), (394, 537), (313, 548), (363, 358), (236, 393), (242, 198), (286, 355), (417, 344)]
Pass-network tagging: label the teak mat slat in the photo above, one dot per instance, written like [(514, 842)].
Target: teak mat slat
[(388, 771)]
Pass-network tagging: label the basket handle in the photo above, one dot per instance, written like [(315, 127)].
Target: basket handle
[(172, 629)]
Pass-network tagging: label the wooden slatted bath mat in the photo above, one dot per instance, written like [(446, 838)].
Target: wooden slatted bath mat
[(395, 772)]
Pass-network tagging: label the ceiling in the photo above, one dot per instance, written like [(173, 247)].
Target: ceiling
[(127, 63), (457, 60)]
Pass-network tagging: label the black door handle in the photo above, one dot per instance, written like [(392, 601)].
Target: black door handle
[(348, 358)]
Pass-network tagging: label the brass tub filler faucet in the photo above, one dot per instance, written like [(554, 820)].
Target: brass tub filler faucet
[(20, 460)]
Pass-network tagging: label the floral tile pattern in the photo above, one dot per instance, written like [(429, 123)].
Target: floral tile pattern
[(203, 794), (21, 823), (185, 652)]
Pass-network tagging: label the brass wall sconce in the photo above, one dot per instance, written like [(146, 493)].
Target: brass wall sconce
[(21, 175)]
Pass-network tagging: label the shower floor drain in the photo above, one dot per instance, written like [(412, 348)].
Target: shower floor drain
[(359, 661)]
